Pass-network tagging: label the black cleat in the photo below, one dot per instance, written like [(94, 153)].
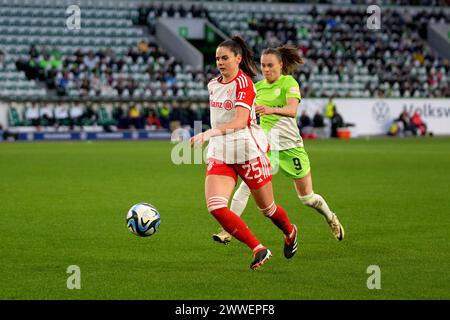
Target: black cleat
[(290, 248), (261, 257)]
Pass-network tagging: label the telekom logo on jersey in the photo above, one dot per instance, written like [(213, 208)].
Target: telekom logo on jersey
[(241, 95)]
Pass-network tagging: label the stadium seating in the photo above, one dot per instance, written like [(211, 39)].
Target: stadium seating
[(42, 23), (103, 26), (342, 58)]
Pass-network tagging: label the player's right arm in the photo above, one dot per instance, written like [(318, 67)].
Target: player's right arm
[(245, 96), (238, 122)]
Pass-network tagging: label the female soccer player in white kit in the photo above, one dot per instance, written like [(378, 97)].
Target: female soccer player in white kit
[(277, 99), (237, 147)]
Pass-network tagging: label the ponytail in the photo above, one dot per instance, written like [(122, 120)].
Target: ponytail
[(238, 46), (288, 55)]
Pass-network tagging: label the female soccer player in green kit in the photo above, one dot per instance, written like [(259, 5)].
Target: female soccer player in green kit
[(277, 99)]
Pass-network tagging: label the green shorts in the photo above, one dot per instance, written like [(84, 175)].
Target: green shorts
[(294, 163)]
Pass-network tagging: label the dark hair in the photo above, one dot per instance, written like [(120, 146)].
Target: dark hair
[(238, 46), (288, 55)]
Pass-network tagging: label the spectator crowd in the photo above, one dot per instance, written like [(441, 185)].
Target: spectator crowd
[(121, 115)]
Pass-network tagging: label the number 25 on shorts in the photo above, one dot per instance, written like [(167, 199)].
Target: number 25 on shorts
[(252, 168)]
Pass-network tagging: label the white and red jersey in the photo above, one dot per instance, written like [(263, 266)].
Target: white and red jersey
[(241, 145)]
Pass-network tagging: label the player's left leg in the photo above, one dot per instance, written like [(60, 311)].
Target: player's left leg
[(265, 201), (257, 175)]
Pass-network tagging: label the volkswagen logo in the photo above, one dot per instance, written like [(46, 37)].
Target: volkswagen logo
[(381, 112)]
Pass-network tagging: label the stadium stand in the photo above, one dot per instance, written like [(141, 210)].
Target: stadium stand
[(377, 68), (78, 63), (115, 55), (343, 58)]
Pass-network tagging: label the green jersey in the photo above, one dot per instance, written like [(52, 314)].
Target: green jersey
[(286, 134)]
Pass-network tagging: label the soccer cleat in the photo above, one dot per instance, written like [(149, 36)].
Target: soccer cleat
[(260, 257), (222, 237), (336, 228), (290, 244)]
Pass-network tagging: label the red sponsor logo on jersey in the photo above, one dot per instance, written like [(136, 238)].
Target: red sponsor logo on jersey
[(215, 104), (228, 105)]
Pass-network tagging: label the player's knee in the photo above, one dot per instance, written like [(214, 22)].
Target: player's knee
[(311, 200), (270, 210), (215, 203)]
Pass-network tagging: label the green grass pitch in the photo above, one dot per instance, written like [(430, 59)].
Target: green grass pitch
[(64, 203)]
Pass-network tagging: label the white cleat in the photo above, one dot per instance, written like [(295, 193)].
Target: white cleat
[(336, 228), (222, 237)]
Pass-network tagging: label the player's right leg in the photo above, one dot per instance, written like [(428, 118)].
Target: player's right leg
[(218, 189), (238, 204)]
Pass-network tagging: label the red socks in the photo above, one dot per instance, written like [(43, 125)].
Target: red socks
[(235, 226), (281, 220)]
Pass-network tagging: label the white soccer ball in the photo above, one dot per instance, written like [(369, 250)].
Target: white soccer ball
[(143, 219)]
